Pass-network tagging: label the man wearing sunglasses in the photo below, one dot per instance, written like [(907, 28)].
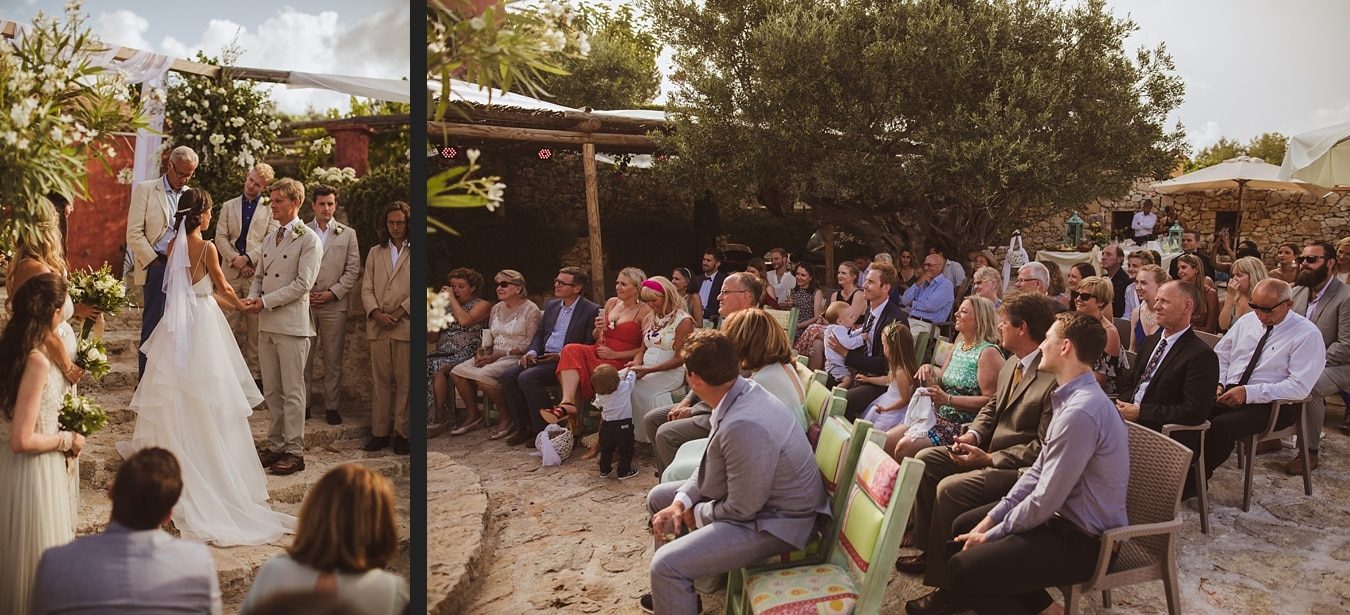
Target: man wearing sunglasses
[(1268, 354), (149, 231), (1325, 301)]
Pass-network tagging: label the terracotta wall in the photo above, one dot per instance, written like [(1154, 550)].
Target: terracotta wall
[(97, 228)]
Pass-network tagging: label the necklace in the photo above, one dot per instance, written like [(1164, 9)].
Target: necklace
[(966, 346)]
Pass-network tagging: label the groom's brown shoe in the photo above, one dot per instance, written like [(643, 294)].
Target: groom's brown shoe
[(333, 417), (288, 464), (267, 458)]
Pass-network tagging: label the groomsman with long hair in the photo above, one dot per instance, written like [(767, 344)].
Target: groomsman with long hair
[(386, 295)]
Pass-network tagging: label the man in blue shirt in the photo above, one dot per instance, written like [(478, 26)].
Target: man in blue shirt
[(1046, 531), (930, 298)]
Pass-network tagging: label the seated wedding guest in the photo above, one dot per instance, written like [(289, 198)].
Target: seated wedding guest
[(929, 300), (987, 283), (890, 411), (1190, 245), (987, 459), (851, 296), (779, 276), (1077, 272), (966, 383), (1093, 298), (134, 566), (1206, 316), (709, 283), (1046, 531), (1342, 272), (1133, 263), (657, 363), (455, 344), (1145, 322), (618, 338), (1034, 277), (907, 271), (512, 326), (1324, 301), (870, 358), (1246, 272), (1057, 289), (983, 258), (1113, 269), (689, 419), (339, 271), (568, 318), (681, 278), (839, 319), (765, 358), (346, 535), (809, 300), (950, 268), (386, 298), (1272, 353), (1175, 375), (756, 494), (1285, 267), (767, 298), (38, 495), (849, 292)]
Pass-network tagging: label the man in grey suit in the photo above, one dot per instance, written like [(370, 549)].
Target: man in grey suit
[(756, 493), (1324, 300), (339, 271), (133, 566)]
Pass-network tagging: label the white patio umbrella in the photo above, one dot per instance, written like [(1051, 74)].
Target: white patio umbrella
[(1321, 156), (1241, 172)]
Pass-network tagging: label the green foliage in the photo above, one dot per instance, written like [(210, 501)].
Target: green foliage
[(231, 124), (365, 200), (57, 111), (1267, 146), (619, 73), (903, 122)]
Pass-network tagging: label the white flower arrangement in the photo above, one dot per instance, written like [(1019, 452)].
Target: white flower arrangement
[(126, 176), (298, 230), (438, 311), (92, 356), (81, 415)]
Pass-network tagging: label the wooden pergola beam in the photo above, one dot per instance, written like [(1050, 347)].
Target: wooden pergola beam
[(539, 135)]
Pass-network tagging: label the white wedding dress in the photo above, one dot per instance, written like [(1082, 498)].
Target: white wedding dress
[(195, 399)]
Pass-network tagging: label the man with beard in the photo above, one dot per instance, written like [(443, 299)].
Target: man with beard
[(1324, 300)]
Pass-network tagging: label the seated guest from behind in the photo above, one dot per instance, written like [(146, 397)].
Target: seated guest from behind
[(133, 566), (613, 396), (1046, 531), (758, 492), (840, 321), (345, 536)]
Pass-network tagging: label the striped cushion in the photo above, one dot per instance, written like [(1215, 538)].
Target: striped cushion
[(805, 590)]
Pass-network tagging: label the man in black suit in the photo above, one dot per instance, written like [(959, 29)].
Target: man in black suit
[(569, 318), (1190, 244), (1176, 374), (709, 283), (869, 358)]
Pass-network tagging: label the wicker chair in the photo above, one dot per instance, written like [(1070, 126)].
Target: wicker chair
[(1158, 468), (1197, 468), (1247, 447), (1209, 338)]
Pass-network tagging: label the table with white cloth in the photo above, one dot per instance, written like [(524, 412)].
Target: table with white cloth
[(1066, 260)]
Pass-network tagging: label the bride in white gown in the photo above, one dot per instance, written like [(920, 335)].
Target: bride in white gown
[(196, 396)]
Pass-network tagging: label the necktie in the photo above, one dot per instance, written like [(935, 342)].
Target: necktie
[(281, 232), (1153, 363), (1256, 357), (867, 329), (1017, 374)]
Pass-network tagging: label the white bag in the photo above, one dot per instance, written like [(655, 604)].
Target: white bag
[(921, 416), (1016, 257), (554, 443)]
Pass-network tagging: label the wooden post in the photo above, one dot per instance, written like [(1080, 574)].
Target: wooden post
[(593, 222), (829, 252)]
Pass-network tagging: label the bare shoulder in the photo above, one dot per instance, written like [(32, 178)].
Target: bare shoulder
[(38, 360)]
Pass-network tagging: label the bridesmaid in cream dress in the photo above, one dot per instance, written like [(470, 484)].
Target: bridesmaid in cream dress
[(37, 492)]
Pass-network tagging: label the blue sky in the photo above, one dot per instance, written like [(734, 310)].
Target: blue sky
[(349, 37)]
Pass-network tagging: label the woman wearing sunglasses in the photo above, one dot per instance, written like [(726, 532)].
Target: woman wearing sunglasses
[(510, 329), (1093, 298)]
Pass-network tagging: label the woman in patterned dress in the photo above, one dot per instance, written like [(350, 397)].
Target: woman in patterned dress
[(455, 344), (513, 322), (968, 381), (810, 304)]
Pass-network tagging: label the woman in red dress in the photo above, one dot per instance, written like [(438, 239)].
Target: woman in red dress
[(618, 334)]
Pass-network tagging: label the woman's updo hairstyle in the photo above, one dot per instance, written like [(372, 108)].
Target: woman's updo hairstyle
[(190, 207)]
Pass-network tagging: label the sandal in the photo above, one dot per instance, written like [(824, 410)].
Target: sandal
[(468, 427), (497, 434), (555, 414)]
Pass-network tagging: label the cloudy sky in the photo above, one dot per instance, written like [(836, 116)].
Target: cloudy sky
[(366, 38)]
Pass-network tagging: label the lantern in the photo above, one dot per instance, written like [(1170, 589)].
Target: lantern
[(1173, 238), (1073, 230)]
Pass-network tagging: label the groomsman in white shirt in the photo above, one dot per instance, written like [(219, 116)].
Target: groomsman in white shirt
[(386, 298), (338, 273), (245, 221)]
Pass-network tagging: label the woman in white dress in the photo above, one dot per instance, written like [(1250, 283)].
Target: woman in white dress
[(658, 365), (37, 492), (196, 396)]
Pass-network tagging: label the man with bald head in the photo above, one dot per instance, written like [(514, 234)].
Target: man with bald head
[(1270, 353), (929, 299)]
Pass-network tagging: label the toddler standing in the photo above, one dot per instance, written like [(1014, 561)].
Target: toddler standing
[(613, 396)]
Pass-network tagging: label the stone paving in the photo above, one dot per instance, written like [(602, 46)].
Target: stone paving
[(507, 537)]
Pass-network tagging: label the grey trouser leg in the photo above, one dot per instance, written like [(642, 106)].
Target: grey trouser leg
[(671, 434), (1333, 379)]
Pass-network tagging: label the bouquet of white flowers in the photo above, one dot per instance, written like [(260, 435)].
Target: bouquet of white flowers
[(438, 311), (81, 415), (92, 356), (98, 289)]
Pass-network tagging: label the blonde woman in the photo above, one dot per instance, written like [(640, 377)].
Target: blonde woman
[(1246, 272), (988, 283), (1342, 272), (1093, 298), (347, 534), (1144, 322), (657, 363)]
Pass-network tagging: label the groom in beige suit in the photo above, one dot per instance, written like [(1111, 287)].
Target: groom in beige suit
[(338, 273), (280, 295), (386, 297), (245, 221)]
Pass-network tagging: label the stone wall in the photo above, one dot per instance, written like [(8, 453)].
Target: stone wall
[(1270, 217)]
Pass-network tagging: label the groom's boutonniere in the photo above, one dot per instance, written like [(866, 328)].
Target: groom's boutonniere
[(298, 230), (337, 229)]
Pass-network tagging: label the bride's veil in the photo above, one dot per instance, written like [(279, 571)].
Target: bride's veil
[(177, 319)]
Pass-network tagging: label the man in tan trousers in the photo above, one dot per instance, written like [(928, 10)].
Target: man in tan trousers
[(245, 221), (338, 273), (386, 296), (280, 294)]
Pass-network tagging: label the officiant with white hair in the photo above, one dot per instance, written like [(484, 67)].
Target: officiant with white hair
[(153, 203)]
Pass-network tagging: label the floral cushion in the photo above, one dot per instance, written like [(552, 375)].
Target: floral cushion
[(876, 474), (805, 590)]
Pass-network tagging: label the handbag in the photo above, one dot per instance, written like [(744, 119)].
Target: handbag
[(1016, 257)]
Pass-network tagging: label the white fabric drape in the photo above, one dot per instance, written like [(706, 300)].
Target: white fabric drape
[(397, 90), (151, 71)]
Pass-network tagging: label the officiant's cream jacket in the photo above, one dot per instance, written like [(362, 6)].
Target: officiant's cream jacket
[(386, 287), (229, 227), (147, 219), (283, 280)]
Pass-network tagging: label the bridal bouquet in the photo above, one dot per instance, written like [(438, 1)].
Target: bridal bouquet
[(438, 311), (100, 290), (92, 356), (81, 415)]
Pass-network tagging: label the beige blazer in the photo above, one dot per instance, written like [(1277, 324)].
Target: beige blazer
[(386, 286), (283, 279), (147, 219), (231, 224), (341, 265)]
